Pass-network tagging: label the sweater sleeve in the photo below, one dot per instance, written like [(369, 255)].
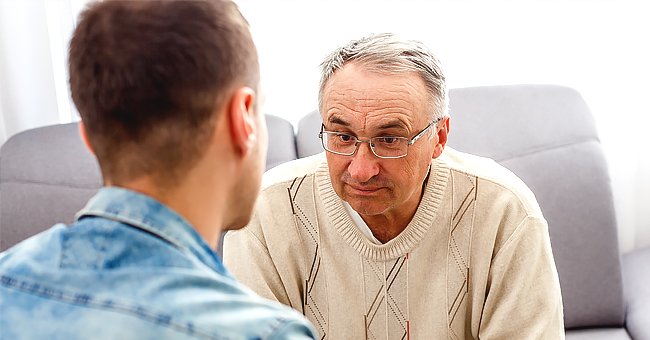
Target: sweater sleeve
[(523, 299), (246, 255)]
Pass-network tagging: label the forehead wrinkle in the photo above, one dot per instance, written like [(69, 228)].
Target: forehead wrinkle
[(379, 120), (337, 112), (367, 105), (391, 103), (371, 117), (363, 102)]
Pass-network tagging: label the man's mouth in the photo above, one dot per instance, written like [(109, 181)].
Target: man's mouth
[(363, 190)]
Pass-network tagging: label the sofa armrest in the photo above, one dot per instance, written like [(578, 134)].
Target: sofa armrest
[(636, 280)]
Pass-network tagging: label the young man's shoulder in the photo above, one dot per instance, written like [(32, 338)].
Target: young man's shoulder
[(175, 296)]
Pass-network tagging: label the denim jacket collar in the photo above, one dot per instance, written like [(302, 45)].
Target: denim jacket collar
[(145, 213)]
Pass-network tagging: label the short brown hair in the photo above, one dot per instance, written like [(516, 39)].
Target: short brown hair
[(148, 76)]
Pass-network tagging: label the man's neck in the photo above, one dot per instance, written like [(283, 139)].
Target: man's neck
[(389, 225), (202, 213)]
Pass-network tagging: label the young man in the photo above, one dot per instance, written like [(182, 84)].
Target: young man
[(391, 235), (167, 93)]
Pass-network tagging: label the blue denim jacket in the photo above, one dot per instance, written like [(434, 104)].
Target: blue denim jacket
[(130, 268)]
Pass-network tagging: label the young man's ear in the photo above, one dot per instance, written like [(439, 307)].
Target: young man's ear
[(443, 132), (242, 120), (84, 137)]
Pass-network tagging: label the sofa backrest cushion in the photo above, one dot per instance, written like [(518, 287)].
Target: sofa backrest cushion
[(46, 176), (282, 141), (547, 136), (307, 141)]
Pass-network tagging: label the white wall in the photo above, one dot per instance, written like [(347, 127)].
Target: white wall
[(27, 93), (598, 47), (34, 36)]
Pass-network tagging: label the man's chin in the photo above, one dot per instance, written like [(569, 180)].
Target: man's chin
[(365, 208)]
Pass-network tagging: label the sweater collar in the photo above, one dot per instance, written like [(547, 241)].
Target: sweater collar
[(408, 239)]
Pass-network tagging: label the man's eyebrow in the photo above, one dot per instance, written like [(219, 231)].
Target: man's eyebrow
[(396, 124), (338, 121), (393, 125)]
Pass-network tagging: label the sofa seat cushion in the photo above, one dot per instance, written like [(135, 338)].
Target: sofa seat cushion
[(598, 334)]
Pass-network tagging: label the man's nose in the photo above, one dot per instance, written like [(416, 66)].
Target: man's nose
[(364, 164)]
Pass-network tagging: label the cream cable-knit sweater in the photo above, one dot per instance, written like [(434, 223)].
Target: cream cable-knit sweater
[(475, 261)]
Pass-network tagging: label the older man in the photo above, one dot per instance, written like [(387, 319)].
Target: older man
[(392, 235), (167, 93)]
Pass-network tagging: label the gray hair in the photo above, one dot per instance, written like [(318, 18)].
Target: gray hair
[(387, 53)]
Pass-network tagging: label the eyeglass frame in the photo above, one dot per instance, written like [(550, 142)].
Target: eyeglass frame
[(358, 141)]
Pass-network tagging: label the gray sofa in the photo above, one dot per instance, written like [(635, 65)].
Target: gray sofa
[(545, 134)]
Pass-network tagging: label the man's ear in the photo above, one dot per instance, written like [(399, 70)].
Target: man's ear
[(241, 114), (443, 132), (84, 137)]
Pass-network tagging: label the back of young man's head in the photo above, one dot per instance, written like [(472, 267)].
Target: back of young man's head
[(148, 78)]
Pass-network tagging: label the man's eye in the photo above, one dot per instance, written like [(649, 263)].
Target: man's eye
[(344, 138), (388, 140)]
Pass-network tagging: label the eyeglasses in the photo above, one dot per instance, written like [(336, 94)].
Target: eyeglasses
[(345, 144)]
